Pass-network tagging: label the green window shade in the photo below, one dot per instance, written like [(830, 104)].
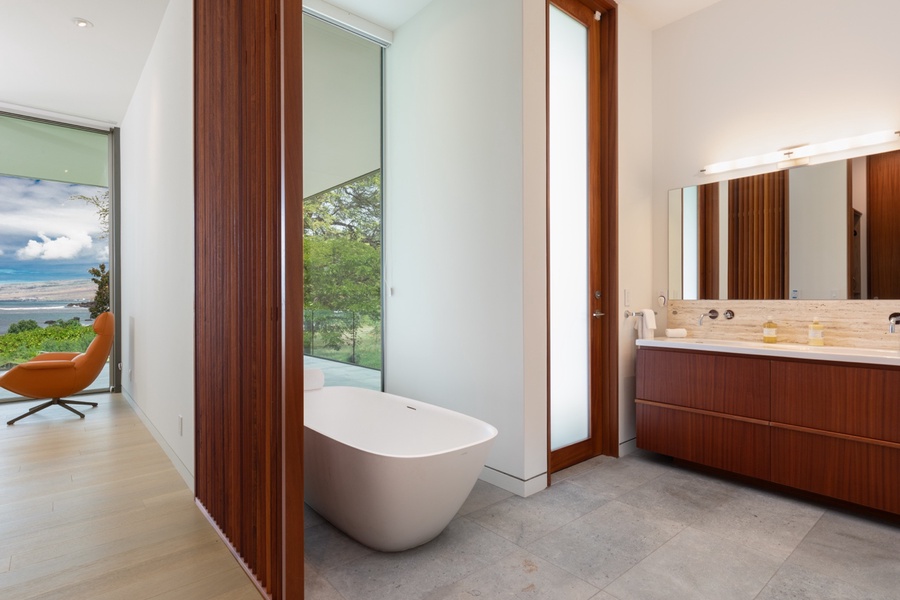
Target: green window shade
[(341, 106), (53, 152)]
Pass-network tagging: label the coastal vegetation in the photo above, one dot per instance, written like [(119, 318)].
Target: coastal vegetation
[(22, 342)]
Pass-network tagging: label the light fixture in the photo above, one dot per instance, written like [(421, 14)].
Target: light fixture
[(82, 23), (800, 155)]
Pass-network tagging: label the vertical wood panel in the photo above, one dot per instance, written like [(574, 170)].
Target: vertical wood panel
[(757, 236), (238, 255), (609, 223), (708, 247), (883, 190), (292, 299)]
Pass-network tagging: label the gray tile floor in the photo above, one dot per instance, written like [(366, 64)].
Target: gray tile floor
[(635, 528)]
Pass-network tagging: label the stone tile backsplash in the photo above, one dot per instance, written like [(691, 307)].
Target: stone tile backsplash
[(849, 323)]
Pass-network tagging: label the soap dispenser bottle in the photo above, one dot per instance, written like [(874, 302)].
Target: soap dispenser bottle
[(770, 331), (816, 333)]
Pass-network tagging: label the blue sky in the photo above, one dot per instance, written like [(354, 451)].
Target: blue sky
[(45, 234)]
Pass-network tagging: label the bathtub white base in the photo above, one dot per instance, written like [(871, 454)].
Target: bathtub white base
[(359, 478)]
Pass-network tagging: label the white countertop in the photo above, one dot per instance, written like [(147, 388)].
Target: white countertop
[(831, 353)]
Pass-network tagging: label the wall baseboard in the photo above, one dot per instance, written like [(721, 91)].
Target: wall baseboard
[(627, 447), (513, 484), (182, 469)]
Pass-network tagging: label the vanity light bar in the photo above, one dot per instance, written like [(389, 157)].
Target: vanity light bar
[(800, 154)]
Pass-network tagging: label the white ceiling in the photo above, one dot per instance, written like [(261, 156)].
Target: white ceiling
[(659, 13), (51, 65), (389, 14)]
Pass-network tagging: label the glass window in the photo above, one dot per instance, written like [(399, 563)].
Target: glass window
[(54, 240), (342, 258)]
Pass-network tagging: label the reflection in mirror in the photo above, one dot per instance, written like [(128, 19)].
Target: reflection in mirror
[(826, 231)]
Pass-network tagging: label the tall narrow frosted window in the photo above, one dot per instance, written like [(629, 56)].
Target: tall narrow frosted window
[(569, 294)]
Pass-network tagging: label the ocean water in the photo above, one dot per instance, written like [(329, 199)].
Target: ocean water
[(41, 311)]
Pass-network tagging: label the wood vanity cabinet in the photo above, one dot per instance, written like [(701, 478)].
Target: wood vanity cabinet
[(711, 409), (823, 427)]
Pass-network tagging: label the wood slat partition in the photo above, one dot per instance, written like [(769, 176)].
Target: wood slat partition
[(757, 236), (708, 250), (241, 137), (883, 224)]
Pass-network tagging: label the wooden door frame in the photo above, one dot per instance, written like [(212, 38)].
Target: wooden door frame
[(291, 135), (603, 219)]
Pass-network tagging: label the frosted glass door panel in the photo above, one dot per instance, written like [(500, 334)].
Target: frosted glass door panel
[(569, 293)]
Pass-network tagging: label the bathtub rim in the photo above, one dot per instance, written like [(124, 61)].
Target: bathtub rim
[(491, 431)]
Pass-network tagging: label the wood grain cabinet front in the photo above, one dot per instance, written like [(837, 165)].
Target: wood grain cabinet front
[(828, 428), (836, 431), (705, 408)]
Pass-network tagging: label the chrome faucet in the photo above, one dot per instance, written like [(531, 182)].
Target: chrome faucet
[(894, 319), (714, 314)]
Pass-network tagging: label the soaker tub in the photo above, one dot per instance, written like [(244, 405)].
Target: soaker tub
[(388, 471)]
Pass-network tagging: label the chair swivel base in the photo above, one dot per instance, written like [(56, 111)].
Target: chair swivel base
[(55, 401)]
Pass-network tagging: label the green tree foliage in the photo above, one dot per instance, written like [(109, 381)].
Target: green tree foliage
[(100, 274), (350, 211), (342, 268), (24, 325), (342, 291), (101, 298), (62, 336)]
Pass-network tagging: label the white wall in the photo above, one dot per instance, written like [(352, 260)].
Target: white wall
[(465, 228), (636, 239), (157, 226), (458, 284), (745, 77)]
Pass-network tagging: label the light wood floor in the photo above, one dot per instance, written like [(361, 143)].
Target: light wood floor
[(94, 509)]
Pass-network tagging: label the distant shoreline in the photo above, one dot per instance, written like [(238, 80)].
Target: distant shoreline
[(73, 290)]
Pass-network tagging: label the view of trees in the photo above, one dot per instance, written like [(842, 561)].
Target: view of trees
[(26, 339), (342, 272), (100, 276)]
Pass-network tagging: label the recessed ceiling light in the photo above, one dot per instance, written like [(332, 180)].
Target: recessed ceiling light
[(82, 23)]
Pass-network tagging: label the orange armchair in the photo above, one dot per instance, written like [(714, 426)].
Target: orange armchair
[(57, 374)]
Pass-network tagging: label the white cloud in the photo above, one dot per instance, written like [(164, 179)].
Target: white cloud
[(63, 247)]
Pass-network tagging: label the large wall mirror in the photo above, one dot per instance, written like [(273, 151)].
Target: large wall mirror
[(819, 232)]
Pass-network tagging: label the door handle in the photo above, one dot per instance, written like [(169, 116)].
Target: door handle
[(597, 314)]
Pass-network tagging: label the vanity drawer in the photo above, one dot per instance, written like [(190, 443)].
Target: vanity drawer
[(714, 382), (848, 469), (852, 400), (735, 445)]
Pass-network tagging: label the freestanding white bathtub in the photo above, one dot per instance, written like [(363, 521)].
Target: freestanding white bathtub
[(388, 471)]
